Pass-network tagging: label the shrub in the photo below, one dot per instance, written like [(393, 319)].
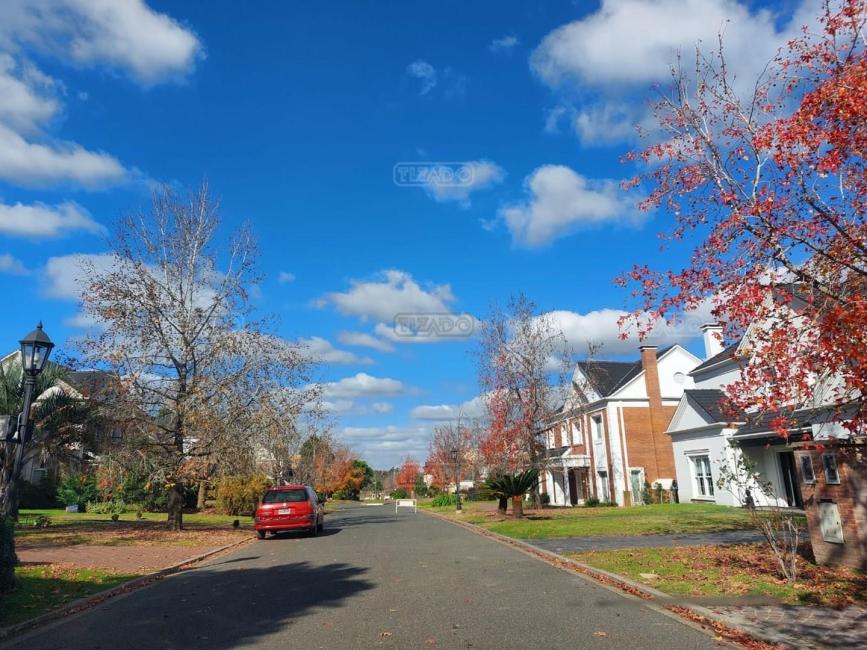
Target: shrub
[(646, 496), (546, 499), (442, 500), (240, 495), (399, 493), (116, 507), (78, 489), (592, 502), (39, 495)]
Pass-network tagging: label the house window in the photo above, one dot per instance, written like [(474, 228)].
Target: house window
[(829, 461), (597, 427), (576, 433), (703, 476), (807, 469), (603, 480)]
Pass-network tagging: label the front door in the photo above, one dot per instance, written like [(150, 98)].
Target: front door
[(573, 488), (790, 480)]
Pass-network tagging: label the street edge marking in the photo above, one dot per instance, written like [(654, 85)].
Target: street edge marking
[(691, 616), (97, 599)]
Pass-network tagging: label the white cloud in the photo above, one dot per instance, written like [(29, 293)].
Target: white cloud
[(424, 72), (364, 385), (475, 175), (40, 220), (37, 164), (392, 292), (503, 45), (386, 447), (382, 407), (600, 327), (121, 34), (64, 276), (12, 265), (27, 95), (365, 340), (636, 41), (337, 407), (469, 410), (561, 200), (285, 278), (322, 351), (611, 57)]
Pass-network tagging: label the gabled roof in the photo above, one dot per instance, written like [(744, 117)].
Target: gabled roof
[(726, 354), (607, 377), (709, 401)]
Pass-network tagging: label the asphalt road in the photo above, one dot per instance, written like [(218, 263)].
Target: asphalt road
[(372, 579)]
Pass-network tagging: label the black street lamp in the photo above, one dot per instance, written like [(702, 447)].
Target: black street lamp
[(455, 457), (35, 348)]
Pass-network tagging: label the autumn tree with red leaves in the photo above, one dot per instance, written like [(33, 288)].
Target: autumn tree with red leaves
[(440, 463), (769, 191), (522, 369), (407, 474)]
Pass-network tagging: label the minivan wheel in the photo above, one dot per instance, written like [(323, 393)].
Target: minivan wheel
[(260, 534)]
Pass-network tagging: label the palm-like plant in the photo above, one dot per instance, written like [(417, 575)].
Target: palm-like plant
[(514, 487), (59, 420)]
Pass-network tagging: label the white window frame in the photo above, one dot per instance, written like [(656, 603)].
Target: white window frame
[(598, 430), (833, 457), (603, 482), (700, 479), (807, 461)]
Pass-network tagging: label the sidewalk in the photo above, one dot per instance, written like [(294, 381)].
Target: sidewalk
[(799, 626)]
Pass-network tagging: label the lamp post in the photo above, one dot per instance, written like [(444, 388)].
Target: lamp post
[(457, 481), (35, 348)]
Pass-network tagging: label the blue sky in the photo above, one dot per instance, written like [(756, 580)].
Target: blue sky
[(297, 114)]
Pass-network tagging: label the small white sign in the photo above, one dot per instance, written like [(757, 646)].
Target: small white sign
[(830, 524), (72, 508)]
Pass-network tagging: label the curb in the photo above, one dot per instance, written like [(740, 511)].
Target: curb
[(6, 633), (694, 616)]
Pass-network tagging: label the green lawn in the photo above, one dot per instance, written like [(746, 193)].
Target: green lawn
[(43, 588), (585, 522), (732, 571)]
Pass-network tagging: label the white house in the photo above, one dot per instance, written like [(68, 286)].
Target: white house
[(609, 436), (702, 435)]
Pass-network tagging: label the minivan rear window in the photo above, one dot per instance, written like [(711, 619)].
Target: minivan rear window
[(282, 496)]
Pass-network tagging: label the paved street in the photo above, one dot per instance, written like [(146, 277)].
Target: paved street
[(373, 579)]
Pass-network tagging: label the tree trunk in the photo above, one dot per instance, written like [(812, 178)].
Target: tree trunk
[(200, 501), (518, 506), (8, 559), (503, 505), (175, 508)]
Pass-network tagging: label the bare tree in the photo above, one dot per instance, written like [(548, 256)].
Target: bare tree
[(178, 331), (523, 359)]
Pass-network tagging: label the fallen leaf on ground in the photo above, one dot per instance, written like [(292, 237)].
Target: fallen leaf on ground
[(599, 633)]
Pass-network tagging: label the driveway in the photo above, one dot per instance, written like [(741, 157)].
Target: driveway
[(373, 579)]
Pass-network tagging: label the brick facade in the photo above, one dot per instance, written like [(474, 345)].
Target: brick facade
[(850, 497), (647, 448)]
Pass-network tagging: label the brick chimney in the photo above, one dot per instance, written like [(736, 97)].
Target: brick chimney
[(654, 397), (651, 376), (712, 334)]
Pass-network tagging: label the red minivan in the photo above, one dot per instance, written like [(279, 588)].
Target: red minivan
[(289, 507)]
